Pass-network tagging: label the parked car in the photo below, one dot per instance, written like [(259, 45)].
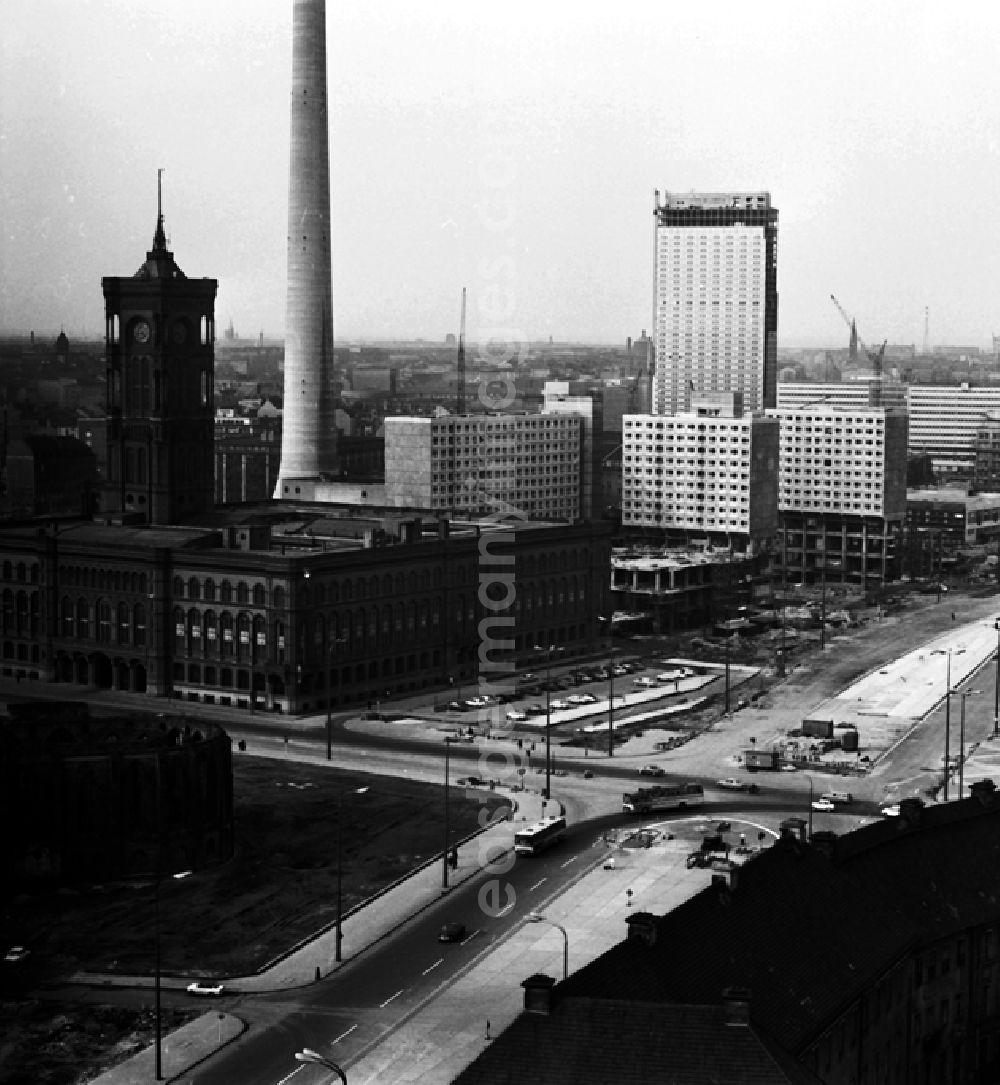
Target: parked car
[(644, 681), (452, 932), (516, 714), (587, 774), (478, 702), (16, 954), (652, 770), (560, 706), (581, 698), (200, 988), (699, 858), (824, 805)]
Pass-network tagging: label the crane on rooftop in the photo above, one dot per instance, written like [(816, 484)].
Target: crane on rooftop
[(876, 357)]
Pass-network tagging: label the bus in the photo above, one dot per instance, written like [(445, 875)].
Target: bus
[(648, 800), (543, 834)]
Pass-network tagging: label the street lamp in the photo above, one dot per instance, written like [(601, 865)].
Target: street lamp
[(340, 865), (308, 1055), (448, 740), (611, 701), (947, 726), (996, 694), (728, 645), (548, 717), (156, 980), (537, 917), (810, 779), (961, 740)]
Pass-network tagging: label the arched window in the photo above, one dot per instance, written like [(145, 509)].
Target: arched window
[(259, 595), (123, 624), (210, 632), (66, 608), (242, 593), (82, 619), (244, 627), (279, 597), (178, 588), (226, 634), (226, 592), (139, 624), (193, 631), (194, 588), (210, 590)]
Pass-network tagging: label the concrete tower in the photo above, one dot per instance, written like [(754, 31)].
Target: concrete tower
[(309, 435)]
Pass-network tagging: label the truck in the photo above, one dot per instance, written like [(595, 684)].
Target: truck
[(757, 760), (647, 800)]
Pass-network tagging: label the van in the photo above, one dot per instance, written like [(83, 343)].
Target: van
[(839, 797)]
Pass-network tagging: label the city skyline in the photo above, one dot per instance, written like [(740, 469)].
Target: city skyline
[(512, 152)]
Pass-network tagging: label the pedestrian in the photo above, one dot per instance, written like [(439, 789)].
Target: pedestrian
[(488, 1036)]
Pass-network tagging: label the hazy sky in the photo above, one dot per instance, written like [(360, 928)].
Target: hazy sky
[(512, 148)]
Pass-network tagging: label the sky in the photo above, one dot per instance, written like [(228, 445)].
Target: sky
[(510, 148)]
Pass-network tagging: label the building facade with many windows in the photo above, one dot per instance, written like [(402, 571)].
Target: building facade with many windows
[(711, 472), (716, 298), (842, 492)]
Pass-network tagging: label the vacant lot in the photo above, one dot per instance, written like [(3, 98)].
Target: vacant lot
[(279, 888)]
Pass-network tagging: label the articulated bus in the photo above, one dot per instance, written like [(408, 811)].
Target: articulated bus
[(648, 800), (543, 834)]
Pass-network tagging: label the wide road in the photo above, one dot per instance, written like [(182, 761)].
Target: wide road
[(372, 994)]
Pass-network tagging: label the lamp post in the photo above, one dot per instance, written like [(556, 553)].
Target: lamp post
[(947, 726), (156, 979), (448, 740), (537, 917), (810, 779), (611, 701), (822, 609), (727, 674), (340, 865), (961, 739), (308, 1055), (996, 693), (548, 718)]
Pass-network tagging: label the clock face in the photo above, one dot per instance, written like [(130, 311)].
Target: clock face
[(179, 331), (141, 332)]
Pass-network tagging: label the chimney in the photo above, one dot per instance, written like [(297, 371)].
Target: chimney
[(985, 791), (642, 925), (736, 1006), (538, 993), (911, 811), (825, 842)]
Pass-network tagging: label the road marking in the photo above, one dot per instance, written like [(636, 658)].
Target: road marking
[(537, 884), (382, 1005), (288, 1077), (344, 1035), (506, 911), (471, 936), (432, 967), (568, 861)]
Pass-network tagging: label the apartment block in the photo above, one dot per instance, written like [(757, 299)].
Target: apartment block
[(945, 421), (842, 395), (715, 297), (711, 472), (481, 464), (842, 492)]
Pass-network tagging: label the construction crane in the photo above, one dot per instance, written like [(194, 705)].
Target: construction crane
[(460, 398), (876, 357)]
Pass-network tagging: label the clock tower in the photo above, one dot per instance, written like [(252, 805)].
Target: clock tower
[(160, 341)]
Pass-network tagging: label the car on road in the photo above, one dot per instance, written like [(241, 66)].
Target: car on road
[(652, 770), (890, 811), (516, 714), (478, 702), (452, 932), (470, 781), (16, 954), (213, 990), (535, 709), (581, 698), (824, 805), (644, 681), (560, 706), (528, 676), (587, 774), (730, 783)]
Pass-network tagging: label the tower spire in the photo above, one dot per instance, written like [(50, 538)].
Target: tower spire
[(160, 237)]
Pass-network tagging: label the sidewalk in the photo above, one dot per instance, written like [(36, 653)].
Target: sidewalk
[(451, 1028), (362, 928)]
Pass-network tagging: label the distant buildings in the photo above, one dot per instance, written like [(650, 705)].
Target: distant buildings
[(716, 298), (945, 422)]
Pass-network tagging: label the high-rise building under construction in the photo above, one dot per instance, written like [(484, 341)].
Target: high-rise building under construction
[(716, 298)]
